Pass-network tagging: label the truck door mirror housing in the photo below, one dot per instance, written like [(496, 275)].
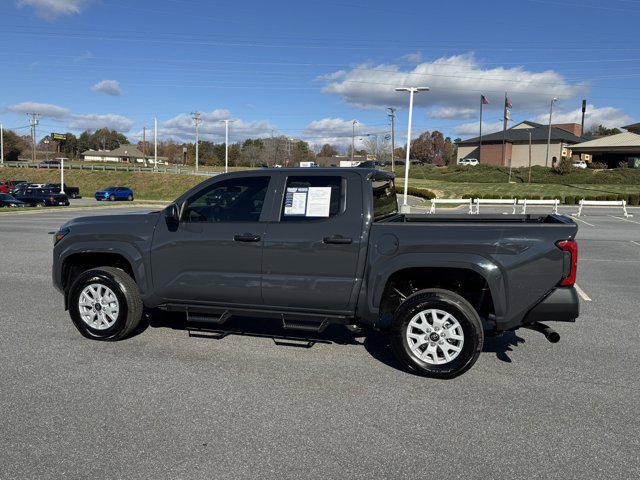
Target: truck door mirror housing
[(173, 213)]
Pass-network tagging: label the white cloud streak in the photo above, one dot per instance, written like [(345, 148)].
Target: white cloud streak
[(609, 117), (52, 9), (74, 121)]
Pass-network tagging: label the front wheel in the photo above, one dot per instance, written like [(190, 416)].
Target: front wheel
[(112, 197), (437, 333), (105, 304)]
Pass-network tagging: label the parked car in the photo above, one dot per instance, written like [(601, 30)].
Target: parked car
[(41, 197), (469, 162), (10, 201), (114, 193), (319, 246), (73, 192), (580, 164)]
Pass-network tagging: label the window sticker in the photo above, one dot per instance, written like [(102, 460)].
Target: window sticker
[(318, 201), (295, 202)]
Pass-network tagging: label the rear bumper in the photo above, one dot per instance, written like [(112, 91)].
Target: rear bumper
[(561, 305)]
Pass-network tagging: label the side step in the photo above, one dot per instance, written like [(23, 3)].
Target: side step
[(203, 318), (316, 326)]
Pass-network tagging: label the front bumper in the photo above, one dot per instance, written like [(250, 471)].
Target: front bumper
[(561, 305)]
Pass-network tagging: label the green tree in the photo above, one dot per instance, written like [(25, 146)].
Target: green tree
[(14, 145)]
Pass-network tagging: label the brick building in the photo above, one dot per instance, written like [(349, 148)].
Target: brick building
[(516, 144)]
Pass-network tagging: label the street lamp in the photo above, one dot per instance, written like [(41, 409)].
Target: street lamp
[(546, 159), (353, 138), (226, 144), (405, 208)]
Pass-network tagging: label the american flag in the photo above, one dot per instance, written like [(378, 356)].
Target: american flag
[(507, 103), (484, 100)]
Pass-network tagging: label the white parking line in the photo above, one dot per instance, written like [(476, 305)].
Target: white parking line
[(582, 294), (625, 219), (635, 243), (580, 220)]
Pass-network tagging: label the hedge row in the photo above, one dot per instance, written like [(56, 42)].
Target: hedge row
[(631, 198)]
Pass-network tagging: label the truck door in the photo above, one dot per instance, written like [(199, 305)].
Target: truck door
[(214, 254), (311, 251)]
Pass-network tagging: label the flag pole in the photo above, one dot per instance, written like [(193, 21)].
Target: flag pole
[(480, 143), (504, 127)]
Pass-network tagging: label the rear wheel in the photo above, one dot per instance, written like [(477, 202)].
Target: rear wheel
[(130, 198), (105, 304), (437, 333)]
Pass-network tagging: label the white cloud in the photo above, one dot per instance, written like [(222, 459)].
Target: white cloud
[(51, 9), (451, 113), (415, 57), (44, 109), (473, 128), (74, 121), (455, 81), (95, 122), (108, 87), (181, 127), (610, 117), (336, 131)]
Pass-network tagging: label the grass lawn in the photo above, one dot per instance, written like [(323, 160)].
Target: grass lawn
[(455, 190), (145, 185)]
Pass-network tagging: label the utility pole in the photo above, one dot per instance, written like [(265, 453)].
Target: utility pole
[(155, 143), (546, 159), (392, 114), (144, 145), (197, 120), (353, 139), (584, 110), (33, 121), (412, 91), (1, 145)]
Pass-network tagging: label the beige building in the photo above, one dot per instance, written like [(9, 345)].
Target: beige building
[(613, 150), (124, 153), (516, 144)]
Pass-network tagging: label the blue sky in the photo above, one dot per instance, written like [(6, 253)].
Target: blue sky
[(308, 68)]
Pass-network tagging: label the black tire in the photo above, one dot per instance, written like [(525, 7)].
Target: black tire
[(125, 290), (112, 197), (130, 198), (453, 304)]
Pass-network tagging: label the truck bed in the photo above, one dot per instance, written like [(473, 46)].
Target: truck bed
[(481, 219)]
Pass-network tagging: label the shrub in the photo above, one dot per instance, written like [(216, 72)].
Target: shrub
[(421, 192), (564, 166), (597, 165), (614, 197), (570, 200), (634, 199)]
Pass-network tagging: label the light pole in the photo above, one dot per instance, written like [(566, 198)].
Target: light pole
[(546, 159), (155, 143), (353, 138), (411, 90), (196, 121), (62, 175), (226, 145), (1, 145)]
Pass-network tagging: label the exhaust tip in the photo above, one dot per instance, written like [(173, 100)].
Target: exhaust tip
[(549, 333)]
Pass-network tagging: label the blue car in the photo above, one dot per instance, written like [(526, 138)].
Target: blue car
[(115, 193)]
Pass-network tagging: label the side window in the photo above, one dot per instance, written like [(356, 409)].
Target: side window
[(235, 200), (312, 197)]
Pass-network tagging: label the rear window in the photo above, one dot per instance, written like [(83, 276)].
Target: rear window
[(312, 197), (385, 202)]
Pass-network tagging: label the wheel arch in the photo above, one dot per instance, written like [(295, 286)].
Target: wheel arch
[(460, 273)]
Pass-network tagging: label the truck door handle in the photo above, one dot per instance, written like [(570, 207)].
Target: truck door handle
[(338, 240), (246, 237)]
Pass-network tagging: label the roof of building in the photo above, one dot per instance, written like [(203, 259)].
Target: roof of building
[(625, 139), (538, 132), (632, 127), (126, 150)]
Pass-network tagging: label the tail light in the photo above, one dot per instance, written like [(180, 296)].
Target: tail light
[(570, 247)]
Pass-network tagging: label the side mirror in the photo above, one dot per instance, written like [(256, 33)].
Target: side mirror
[(172, 213)]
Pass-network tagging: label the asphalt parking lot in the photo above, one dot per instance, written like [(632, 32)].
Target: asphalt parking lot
[(165, 404)]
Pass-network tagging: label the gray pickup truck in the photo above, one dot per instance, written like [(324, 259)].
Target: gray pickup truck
[(312, 247)]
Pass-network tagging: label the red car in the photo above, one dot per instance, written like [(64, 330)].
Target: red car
[(6, 185)]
